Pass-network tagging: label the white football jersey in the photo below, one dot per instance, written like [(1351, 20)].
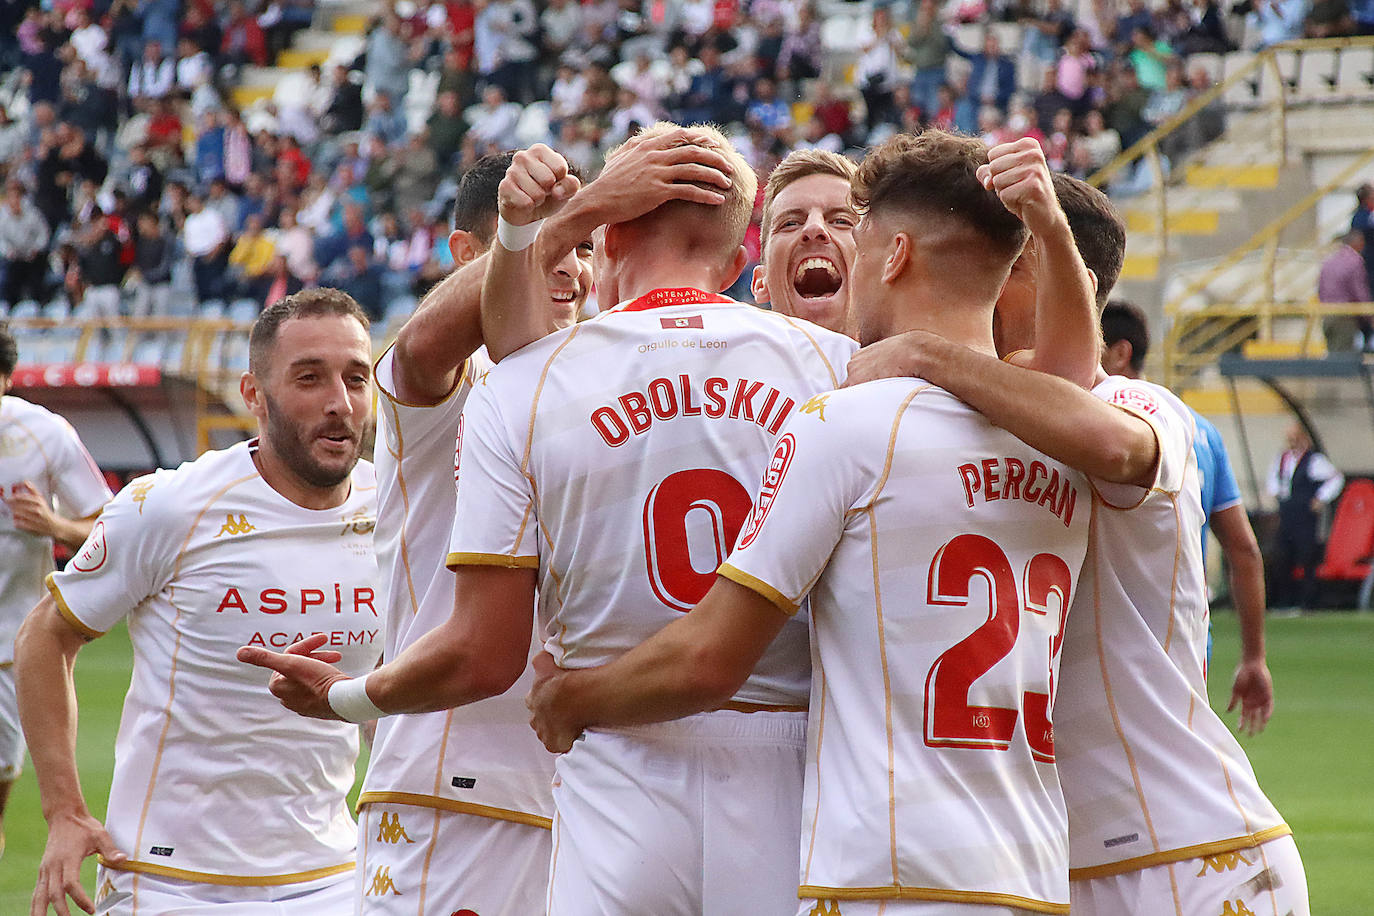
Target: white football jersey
[(38, 447), (214, 780), (482, 758), (616, 457), (939, 553), (1151, 774)]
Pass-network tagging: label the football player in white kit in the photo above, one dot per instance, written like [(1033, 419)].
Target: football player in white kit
[(40, 457), (604, 462), (930, 780), (1165, 813), (221, 803)]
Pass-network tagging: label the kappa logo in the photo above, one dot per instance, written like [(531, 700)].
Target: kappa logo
[(106, 890), (93, 554), (138, 491), (391, 831), (1238, 908), (233, 526), (826, 908), (1223, 862), (816, 405), (381, 883)]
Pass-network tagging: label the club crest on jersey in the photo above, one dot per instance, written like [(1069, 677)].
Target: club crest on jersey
[(1137, 399), (360, 522), (772, 480), (92, 555), (233, 526)]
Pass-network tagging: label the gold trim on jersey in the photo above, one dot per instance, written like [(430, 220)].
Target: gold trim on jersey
[(457, 383), (755, 584), (1159, 462), (834, 380), (449, 804), (4, 665), (899, 892), (460, 558), (1183, 853), (67, 613), (733, 706), (182, 874)]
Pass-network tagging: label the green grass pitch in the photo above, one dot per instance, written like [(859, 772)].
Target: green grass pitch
[(1313, 760)]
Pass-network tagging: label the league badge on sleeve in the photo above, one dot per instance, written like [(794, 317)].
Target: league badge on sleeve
[(1140, 400)]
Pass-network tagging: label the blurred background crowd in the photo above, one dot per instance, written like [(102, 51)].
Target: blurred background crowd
[(133, 185)]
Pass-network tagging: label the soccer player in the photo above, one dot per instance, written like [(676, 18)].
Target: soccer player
[(807, 236), (456, 806), (935, 643), (40, 457), (605, 462), (1127, 339), (220, 798), (1165, 813)]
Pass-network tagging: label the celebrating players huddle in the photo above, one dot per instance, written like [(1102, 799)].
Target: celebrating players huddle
[(801, 628)]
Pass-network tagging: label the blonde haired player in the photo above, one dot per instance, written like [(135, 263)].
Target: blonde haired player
[(221, 802), (588, 457), (40, 457), (456, 806), (1165, 813)]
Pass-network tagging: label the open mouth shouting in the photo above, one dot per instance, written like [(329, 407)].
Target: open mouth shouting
[(817, 278)]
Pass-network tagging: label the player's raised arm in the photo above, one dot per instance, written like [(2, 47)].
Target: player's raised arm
[(1048, 413), (444, 331), (44, 654), (1068, 339)]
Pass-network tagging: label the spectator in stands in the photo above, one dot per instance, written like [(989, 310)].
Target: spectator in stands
[(384, 120), (991, 78), (283, 281), (493, 128), (159, 18), (710, 99), (1362, 221), (1343, 279), (881, 48), (1137, 15), (24, 238), (206, 239), (297, 246), (388, 66), (560, 25), (1206, 30), (1126, 101), (800, 56), (344, 113), (66, 158), (149, 279), (333, 248), (14, 140), (1099, 142), (446, 129), (1362, 11), (1075, 66), (102, 269), (1305, 482), (1150, 57), (361, 277), (152, 77), (250, 261), (1278, 20), (243, 41), (417, 174), (1047, 31), (224, 202), (927, 51), (504, 49)]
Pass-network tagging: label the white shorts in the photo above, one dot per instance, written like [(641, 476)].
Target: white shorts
[(123, 893), (698, 817), (1266, 880), (815, 907), (415, 861), (11, 737)]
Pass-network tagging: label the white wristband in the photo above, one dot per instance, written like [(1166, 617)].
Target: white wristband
[(516, 238), (348, 697)]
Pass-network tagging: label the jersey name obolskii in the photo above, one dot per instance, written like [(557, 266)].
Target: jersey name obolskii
[(634, 412)]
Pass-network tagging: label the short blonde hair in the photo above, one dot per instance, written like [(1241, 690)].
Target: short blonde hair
[(799, 164), (739, 198)]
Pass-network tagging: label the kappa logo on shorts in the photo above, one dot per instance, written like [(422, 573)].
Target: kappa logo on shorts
[(1223, 862), (381, 883), (106, 890), (826, 908), (772, 480), (1237, 908), (233, 526), (391, 831), (92, 555)]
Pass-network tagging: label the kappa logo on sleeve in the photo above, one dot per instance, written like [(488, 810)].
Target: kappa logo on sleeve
[(772, 480), (94, 552), (1138, 399), (139, 492)]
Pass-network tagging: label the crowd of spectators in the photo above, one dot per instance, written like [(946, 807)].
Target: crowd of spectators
[(131, 181)]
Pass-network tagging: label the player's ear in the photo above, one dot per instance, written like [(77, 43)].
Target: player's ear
[(464, 247), (251, 392), (610, 242), (735, 269), (758, 285), (1092, 276), (898, 258)]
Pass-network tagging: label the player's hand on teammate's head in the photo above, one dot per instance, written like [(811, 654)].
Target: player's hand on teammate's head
[(647, 171), (1253, 692), (899, 356), (1019, 174), (536, 185), (32, 513), (71, 839), (549, 722), (302, 675)]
